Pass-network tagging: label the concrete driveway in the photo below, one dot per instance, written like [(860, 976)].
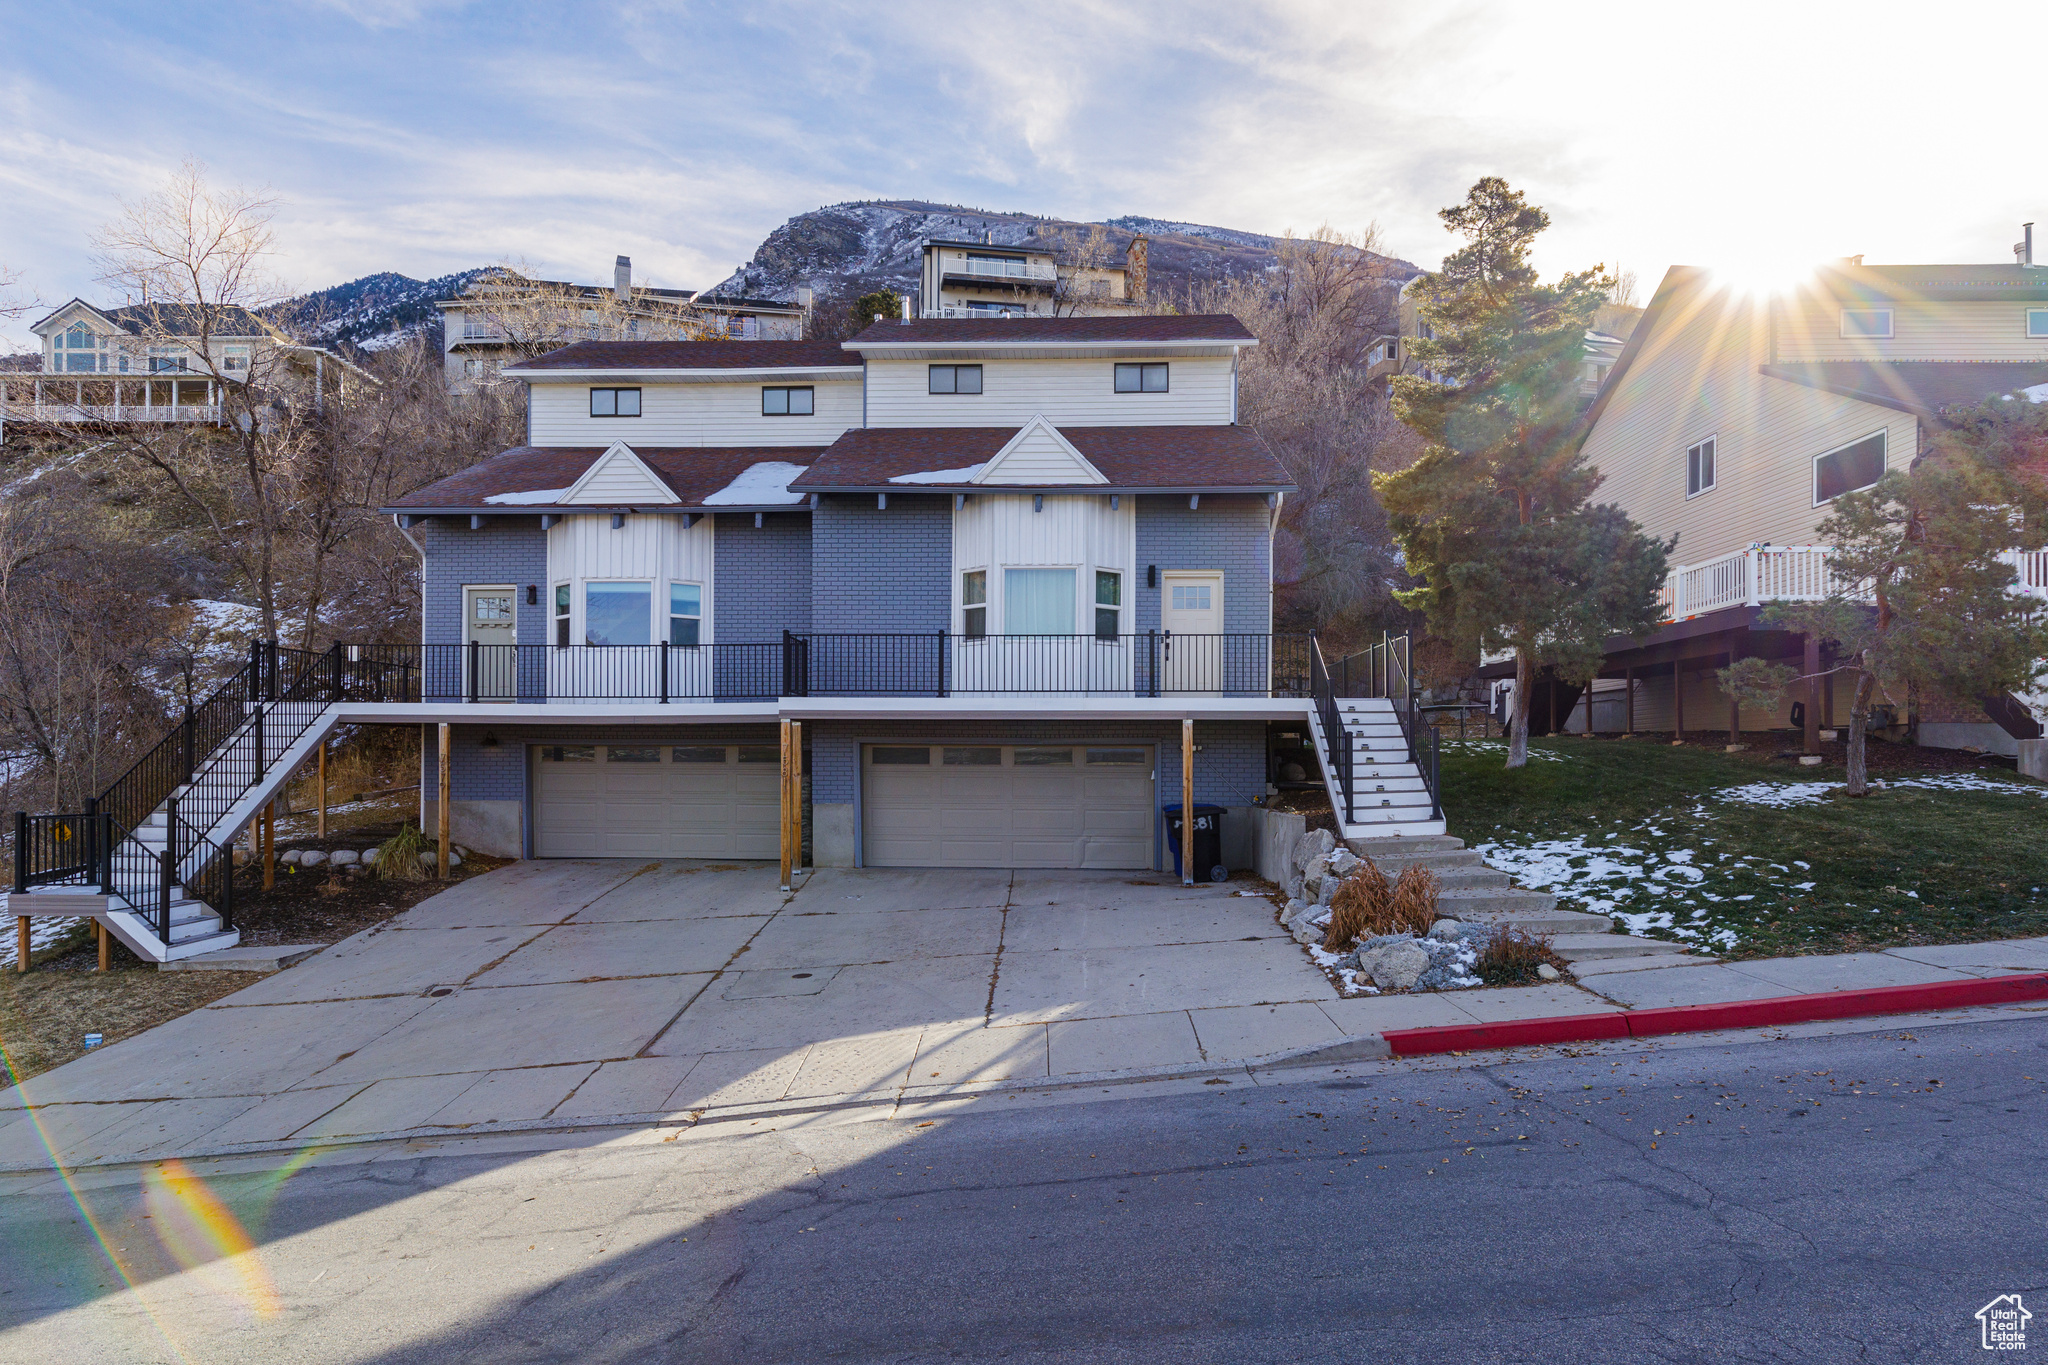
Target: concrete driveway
[(575, 991)]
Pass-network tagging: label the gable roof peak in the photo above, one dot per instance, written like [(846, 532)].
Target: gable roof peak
[(619, 476), (1039, 453)]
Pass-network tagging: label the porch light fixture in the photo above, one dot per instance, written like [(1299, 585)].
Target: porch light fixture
[(532, 595), (489, 741), (618, 520)]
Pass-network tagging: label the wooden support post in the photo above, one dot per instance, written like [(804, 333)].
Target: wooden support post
[(106, 945), (1589, 707), (796, 797), (269, 844), (1187, 802), (322, 781), (788, 856), (1734, 702), (21, 943), (1827, 702), (1678, 701), (1811, 667), (441, 813), (1628, 700)]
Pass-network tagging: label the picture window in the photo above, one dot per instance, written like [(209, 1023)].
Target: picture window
[(615, 402), (617, 613), (1855, 466), (788, 402)]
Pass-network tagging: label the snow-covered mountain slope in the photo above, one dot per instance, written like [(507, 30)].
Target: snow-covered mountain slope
[(844, 250), (372, 313)]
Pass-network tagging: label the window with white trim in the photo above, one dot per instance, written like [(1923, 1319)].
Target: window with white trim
[(974, 603), (1109, 601), (1146, 378), (1038, 601), (788, 402), (1867, 323), (615, 402), (618, 613), (685, 613), (2037, 324), (954, 378), (562, 615), (1699, 468), (1848, 468)]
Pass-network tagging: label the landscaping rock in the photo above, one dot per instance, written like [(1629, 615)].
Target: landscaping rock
[(1446, 930), (1394, 966), (288, 858), (1548, 972), (312, 857), (371, 855), (343, 857), (1344, 862)]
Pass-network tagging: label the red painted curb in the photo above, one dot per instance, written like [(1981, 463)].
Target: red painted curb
[(1783, 1009)]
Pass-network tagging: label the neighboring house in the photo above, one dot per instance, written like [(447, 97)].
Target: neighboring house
[(1390, 354), (148, 363), (990, 567), (1733, 420), (505, 318), (988, 280)]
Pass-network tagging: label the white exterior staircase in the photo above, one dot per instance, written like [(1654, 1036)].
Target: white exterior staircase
[(1389, 796)]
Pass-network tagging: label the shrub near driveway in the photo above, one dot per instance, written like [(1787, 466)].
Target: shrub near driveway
[(1747, 856)]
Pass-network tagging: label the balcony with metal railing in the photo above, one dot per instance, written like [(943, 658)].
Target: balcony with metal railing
[(977, 270), (1758, 574)]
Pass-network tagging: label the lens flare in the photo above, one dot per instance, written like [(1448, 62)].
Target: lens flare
[(205, 1238)]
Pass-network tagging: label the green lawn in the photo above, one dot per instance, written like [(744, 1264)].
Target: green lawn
[(1747, 855)]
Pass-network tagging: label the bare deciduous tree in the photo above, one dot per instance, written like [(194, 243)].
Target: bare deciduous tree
[(532, 316), (1082, 262)]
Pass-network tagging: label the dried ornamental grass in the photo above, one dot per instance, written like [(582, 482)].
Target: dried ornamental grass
[(1414, 901), (399, 856), (1512, 957), (1360, 908)]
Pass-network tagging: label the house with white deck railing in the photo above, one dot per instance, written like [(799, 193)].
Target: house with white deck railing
[(1733, 419), (954, 593)]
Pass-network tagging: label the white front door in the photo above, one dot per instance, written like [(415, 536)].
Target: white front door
[(490, 620), (1191, 614)]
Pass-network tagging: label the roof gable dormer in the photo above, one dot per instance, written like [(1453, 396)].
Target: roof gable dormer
[(1039, 454), (618, 478)]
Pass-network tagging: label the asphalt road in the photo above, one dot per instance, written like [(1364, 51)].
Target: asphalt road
[(1855, 1197)]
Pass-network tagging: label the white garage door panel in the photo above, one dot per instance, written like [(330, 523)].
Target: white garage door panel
[(595, 807), (1033, 814)]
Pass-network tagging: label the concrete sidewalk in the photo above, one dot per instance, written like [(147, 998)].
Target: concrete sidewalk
[(579, 994)]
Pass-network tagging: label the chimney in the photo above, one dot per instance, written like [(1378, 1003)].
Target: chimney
[(804, 297), (905, 302), (1137, 263), (2023, 249), (622, 279)]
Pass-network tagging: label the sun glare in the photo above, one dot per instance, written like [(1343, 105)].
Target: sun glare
[(1764, 273)]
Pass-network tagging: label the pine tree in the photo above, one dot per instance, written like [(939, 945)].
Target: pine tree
[(1922, 600), (1494, 518)]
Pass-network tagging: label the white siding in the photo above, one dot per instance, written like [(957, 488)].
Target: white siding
[(1037, 456), (1811, 329), (692, 415), (618, 479), (997, 531), (656, 548), (1696, 377), (1067, 392)]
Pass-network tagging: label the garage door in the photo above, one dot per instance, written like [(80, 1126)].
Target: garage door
[(1007, 805), (656, 801)]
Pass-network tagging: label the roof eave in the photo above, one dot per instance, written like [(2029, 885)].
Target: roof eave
[(832, 373), (1164, 490), (1052, 343), (525, 509)]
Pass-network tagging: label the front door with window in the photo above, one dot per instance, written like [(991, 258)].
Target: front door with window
[(489, 621), (1191, 614)]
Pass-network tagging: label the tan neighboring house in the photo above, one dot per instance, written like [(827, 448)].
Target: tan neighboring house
[(505, 318), (154, 363), (985, 279), (1732, 420)]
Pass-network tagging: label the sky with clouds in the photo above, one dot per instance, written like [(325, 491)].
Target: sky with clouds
[(425, 136)]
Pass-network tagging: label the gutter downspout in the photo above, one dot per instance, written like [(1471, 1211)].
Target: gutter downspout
[(398, 525)]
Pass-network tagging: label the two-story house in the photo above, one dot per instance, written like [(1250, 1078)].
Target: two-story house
[(977, 593), (985, 279), (152, 363), (1732, 420)]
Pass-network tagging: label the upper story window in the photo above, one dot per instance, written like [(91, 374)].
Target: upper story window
[(562, 614), (1699, 468), (974, 603), (1867, 322), (235, 360), (955, 379), (1848, 468), (685, 613), (615, 402), (617, 613), (788, 402), (1109, 601), (2037, 323), (1148, 378)]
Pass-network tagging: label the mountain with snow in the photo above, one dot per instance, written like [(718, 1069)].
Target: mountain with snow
[(373, 313)]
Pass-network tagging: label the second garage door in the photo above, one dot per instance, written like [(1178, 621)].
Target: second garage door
[(1007, 805), (656, 801)]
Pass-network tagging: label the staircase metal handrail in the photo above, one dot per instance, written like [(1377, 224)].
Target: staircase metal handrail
[(1335, 736)]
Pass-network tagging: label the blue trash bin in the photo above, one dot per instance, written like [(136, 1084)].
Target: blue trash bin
[(1208, 839)]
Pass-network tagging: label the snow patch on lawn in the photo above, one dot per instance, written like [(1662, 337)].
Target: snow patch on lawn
[(1786, 794)]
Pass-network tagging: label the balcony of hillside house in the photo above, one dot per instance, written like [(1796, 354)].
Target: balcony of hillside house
[(985, 310), (1758, 574), (1155, 664), (1018, 274), (163, 395)]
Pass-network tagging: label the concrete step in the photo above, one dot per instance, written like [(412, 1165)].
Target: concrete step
[(1458, 904), (1580, 947), (1451, 860), (1551, 921), (273, 958), (1404, 847)]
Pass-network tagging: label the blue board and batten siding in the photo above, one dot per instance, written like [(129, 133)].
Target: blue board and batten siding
[(508, 550), (1226, 534)]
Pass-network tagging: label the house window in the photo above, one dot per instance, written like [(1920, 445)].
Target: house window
[(2037, 324), (786, 402), (1191, 597), (1038, 601), (955, 379), (568, 753), (615, 402), (1699, 468), (235, 360), (884, 755), (1149, 378), (1867, 322), (1854, 466), (1109, 601), (617, 613), (974, 603), (685, 613), (166, 359), (562, 615)]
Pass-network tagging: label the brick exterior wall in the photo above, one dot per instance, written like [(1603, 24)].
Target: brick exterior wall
[(882, 569), (477, 773), (506, 550), (762, 583), (1225, 534)]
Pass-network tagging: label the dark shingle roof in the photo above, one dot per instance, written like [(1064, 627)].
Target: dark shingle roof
[(1131, 458), (691, 355), (1219, 327), (691, 472), (1924, 387)]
